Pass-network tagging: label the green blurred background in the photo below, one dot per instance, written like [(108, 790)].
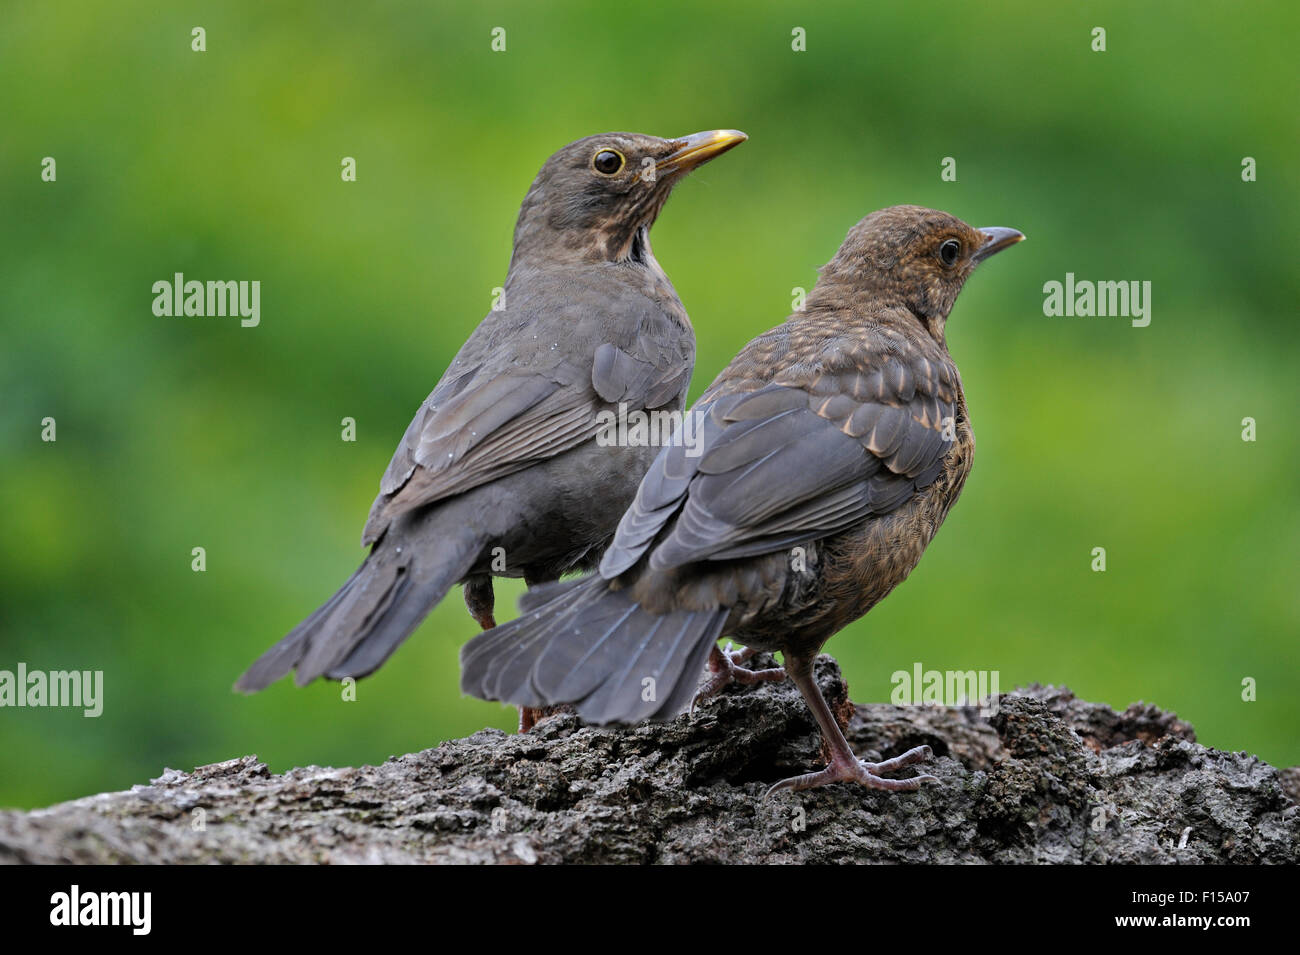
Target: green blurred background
[(176, 433)]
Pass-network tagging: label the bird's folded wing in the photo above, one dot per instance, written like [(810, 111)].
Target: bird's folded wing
[(651, 376), (479, 427), (790, 462), (490, 429)]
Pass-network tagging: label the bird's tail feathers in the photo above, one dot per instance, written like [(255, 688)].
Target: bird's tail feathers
[(378, 607), (539, 594), (595, 648)]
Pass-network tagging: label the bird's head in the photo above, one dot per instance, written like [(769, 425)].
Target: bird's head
[(911, 256), (596, 198)]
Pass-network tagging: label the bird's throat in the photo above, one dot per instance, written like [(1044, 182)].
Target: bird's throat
[(639, 247)]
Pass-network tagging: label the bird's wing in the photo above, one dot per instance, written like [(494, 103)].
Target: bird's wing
[(511, 400), (856, 434), (653, 373)]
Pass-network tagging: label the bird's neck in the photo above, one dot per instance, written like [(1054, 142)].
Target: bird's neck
[(644, 276), (876, 306), (561, 248)]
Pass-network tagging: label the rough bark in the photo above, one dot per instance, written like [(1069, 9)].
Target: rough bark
[(1047, 778)]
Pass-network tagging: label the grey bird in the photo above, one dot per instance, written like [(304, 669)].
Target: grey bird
[(803, 487), (501, 472)]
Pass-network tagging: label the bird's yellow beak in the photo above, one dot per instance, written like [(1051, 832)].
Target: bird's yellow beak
[(697, 149)]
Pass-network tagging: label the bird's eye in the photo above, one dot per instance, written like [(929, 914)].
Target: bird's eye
[(949, 251), (608, 161)]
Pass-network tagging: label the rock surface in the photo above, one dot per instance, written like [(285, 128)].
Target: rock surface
[(1045, 778)]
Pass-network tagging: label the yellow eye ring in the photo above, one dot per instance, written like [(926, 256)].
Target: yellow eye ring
[(608, 162)]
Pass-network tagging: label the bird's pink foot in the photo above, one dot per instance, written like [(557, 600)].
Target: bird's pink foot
[(868, 774), (725, 668)]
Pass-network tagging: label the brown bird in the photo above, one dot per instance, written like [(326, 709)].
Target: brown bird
[(501, 472), (803, 487)]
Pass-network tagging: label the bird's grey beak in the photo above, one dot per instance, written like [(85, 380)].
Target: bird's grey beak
[(697, 149), (996, 239)]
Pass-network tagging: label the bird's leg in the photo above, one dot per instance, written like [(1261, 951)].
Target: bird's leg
[(844, 765), (529, 715), (725, 668), (481, 600)]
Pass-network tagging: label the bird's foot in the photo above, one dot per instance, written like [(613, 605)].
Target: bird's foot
[(725, 668), (858, 771)]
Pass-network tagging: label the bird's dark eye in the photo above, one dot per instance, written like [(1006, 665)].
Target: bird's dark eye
[(607, 162), (949, 251)]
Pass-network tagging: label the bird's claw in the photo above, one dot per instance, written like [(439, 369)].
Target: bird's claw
[(858, 771), (725, 668)]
